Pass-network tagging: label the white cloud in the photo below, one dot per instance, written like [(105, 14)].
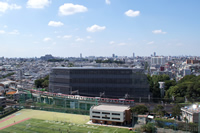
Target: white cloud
[(47, 39), (67, 36), (54, 43), (108, 2), (2, 32), (152, 42), (179, 44), (88, 37), (96, 28), (132, 13), (111, 42), (79, 39), (158, 32), (56, 32), (55, 24), (92, 41), (122, 44), (14, 32), (37, 3), (5, 6), (36, 42), (5, 26), (14, 6), (70, 9)]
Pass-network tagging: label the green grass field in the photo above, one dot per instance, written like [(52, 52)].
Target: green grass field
[(45, 126), (45, 115), (53, 122)]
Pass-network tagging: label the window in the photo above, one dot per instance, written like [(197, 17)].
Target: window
[(115, 114), (105, 117), (95, 112), (96, 116), (106, 113), (116, 118)]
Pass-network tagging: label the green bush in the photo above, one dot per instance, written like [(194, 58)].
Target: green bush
[(149, 127)]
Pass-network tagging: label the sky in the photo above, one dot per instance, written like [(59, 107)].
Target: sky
[(66, 28)]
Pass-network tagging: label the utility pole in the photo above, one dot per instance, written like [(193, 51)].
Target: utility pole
[(199, 124)]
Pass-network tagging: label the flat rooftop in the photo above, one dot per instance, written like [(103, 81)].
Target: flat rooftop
[(95, 68), (117, 108), (191, 110)]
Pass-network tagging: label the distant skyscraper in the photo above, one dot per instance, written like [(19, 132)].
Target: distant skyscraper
[(80, 55), (113, 55), (133, 55), (154, 54)]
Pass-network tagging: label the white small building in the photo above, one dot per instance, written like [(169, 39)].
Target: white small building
[(191, 113), (142, 119), (110, 114)]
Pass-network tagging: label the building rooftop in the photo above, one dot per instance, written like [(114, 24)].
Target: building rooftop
[(191, 109), (116, 108), (116, 68)]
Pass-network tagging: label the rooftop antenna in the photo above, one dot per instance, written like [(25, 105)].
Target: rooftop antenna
[(102, 94), (126, 96)]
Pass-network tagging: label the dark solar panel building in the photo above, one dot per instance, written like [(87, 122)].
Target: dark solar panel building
[(94, 81)]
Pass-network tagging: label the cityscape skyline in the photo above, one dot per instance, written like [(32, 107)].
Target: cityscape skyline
[(33, 28)]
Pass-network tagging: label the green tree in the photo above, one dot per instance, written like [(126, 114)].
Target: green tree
[(43, 82), (149, 128), (176, 110), (154, 84), (38, 83), (169, 83), (1, 109), (70, 65), (159, 110), (139, 109)]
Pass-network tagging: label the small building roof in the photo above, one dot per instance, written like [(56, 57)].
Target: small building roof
[(2, 97), (142, 116), (117, 108)]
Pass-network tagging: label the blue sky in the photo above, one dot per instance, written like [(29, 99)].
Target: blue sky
[(32, 28)]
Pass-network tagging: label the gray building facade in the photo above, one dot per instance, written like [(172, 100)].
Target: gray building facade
[(112, 82)]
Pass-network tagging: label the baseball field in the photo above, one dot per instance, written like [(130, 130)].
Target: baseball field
[(36, 121)]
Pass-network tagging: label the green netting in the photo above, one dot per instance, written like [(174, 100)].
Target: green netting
[(56, 104)]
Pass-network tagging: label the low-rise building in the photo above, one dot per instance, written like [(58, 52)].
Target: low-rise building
[(111, 114), (142, 119), (191, 113), (2, 102)]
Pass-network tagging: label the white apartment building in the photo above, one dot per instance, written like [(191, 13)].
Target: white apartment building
[(158, 60)]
